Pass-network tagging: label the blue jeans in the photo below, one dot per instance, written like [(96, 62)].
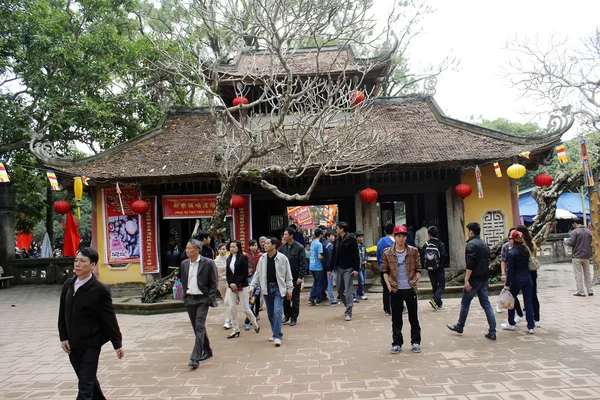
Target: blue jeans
[(481, 290), (362, 276), (274, 303), (330, 281), (526, 286), (316, 292)]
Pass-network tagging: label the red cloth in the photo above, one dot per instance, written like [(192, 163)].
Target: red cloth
[(24, 240), (72, 237)]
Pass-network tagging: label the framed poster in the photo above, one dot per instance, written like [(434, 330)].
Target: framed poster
[(121, 226)]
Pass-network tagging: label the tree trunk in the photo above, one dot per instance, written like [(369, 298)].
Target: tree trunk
[(595, 223), (223, 205), (159, 288)]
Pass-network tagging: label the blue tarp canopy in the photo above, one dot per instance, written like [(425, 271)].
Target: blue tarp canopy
[(567, 201)]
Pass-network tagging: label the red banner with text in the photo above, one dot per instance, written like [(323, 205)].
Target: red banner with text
[(149, 231), (203, 206)]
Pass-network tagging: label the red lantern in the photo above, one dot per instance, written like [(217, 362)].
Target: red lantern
[(239, 100), (368, 195), (62, 207), (357, 97), (140, 207), (237, 202), (543, 180), (463, 190)]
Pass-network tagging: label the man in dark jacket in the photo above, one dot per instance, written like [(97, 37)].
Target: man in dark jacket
[(346, 263), (477, 255), (86, 321), (294, 251), (581, 242), (435, 259)]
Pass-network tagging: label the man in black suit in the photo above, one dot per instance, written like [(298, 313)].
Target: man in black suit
[(86, 321), (198, 276)]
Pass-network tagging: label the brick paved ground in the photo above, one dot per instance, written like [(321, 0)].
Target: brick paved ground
[(322, 357)]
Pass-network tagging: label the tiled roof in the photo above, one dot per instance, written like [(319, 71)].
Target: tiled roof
[(425, 137)]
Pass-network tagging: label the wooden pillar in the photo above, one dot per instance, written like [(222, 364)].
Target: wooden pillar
[(367, 220), (7, 226), (514, 202), (456, 229)]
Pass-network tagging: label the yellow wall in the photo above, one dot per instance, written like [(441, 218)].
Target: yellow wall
[(106, 275), (496, 196)]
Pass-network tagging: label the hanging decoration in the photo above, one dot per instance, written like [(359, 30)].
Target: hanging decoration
[(85, 180), (588, 175), (357, 96), (516, 171), (368, 195), (463, 190), (62, 207), (120, 198), (78, 191), (543, 180), (237, 202), (140, 206), (478, 178), (497, 169), (3, 174), (52, 178), (525, 154), (239, 100), (561, 153)]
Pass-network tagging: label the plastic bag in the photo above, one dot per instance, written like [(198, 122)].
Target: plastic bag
[(506, 300), (178, 290)]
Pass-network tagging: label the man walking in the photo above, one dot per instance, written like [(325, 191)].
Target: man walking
[(384, 243), (316, 268), (207, 251), (581, 242), (327, 264), (274, 274), (296, 255), (86, 321), (435, 259), (346, 263), (421, 236), (402, 272), (477, 255), (362, 273), (198, 276)]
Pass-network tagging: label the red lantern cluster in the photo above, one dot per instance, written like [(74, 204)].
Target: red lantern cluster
[(357, 96), (237, 202), (62, 207), (239, 100), (140, 206), (543, 180), (368, 195), (463, 190)]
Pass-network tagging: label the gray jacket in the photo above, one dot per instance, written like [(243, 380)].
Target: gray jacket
[(581, 242), (282, 272)]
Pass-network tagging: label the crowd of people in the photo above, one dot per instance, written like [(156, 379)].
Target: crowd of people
[(275, 272)]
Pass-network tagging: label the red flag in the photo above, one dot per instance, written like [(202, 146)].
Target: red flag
[(72, 237)]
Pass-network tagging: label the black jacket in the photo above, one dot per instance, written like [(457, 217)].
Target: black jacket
[(297, 257), (86, 318), (345, 253), (240, 276), (206, 278), (477, 256)]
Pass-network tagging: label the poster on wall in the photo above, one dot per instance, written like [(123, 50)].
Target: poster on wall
[(149, 232), (122, 230)]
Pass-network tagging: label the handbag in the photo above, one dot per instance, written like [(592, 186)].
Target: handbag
[(534, 263)]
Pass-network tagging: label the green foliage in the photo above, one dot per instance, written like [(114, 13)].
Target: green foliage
[(29, 185), (513, 128)]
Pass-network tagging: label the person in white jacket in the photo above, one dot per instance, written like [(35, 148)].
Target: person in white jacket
[(274, 274)]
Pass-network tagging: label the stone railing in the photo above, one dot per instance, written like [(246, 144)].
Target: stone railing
[(40, 270)]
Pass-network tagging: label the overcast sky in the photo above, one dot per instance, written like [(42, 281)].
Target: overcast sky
[(476, 32)]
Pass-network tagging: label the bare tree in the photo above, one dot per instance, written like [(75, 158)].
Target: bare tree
[(303, 119)]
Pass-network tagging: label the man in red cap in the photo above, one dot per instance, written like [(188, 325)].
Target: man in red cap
[(401, 269)]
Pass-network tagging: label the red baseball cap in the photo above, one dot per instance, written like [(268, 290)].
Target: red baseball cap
[(400, 230), (516, 236)]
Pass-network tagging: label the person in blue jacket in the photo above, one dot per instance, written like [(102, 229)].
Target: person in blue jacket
[(384, 243)]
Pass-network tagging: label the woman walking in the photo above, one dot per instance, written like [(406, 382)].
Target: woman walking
[(237, 279), (519, 279), (221, 263), (528, 240)]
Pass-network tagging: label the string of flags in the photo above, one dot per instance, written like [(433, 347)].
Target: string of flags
[(587, 168), (3, 174), (497, 169), (561, 153), (52, 178)]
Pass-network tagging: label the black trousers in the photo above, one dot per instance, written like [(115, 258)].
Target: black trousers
[(292, 310), (534, 297), (397, 301), (197, 309), (85, 364), (386, 295), (438, 284)]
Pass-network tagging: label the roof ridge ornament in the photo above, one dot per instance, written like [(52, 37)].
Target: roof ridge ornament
[(429, 85), (44, 149), (561, 120)]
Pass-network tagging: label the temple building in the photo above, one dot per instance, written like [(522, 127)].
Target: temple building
[(173, 171)]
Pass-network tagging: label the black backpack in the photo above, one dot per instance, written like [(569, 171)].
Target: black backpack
[(431, 256)]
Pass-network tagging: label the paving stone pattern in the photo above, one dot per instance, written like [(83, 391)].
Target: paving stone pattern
[(323, 357)]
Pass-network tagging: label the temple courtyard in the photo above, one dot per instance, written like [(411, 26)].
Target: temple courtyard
[(323, 357)]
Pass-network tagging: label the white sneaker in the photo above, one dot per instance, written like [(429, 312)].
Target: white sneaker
[(531, 332), (519, 319), (271, 339), (499, 310), (364, 298), (348, 318), (227, 325), (508, 327), (277, 342), (537, 323)]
